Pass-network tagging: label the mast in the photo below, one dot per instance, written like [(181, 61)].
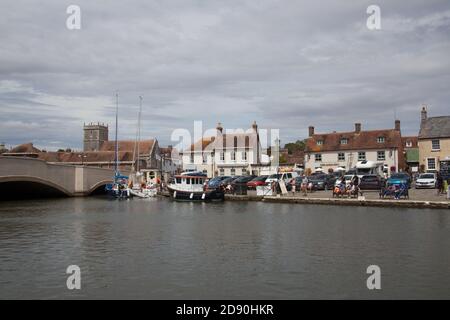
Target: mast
[(139, 132), (116, 156)]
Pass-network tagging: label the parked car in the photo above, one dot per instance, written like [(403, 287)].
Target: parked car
[(215, 182), (426, 180), (256, 182), (242, 181), (371, 182), (398, 179), (322, 181), (226, 182), (285, 176)]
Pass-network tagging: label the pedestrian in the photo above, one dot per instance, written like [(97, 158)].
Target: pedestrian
[(439, 183), (305, 185), (293, 186)]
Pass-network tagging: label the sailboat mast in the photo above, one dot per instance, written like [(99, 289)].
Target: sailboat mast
[(117, 129), (139, 131)]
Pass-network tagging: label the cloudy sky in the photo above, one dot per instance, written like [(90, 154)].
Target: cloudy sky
[(285, 64)]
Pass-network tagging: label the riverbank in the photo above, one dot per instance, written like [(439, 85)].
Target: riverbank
[(418, 199)]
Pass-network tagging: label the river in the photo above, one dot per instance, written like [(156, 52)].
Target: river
[(160, 249)]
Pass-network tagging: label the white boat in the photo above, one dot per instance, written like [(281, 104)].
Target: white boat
[(189, 186)]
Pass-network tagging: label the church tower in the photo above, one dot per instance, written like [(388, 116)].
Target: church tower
[(94, 136)]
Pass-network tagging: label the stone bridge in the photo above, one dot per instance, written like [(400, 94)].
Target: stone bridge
[(21, 177)]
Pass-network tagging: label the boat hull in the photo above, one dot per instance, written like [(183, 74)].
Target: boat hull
[(196, 196)]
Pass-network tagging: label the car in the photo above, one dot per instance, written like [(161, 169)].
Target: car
[(242, 181), (426, 180), (285, 176), (371, 182), (215, 182), (256, 182), (398, 179), (322, 181), (227, 181)]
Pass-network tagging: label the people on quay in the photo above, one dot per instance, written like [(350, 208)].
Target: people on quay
[(293, 186), (439, 183), (304, 185)]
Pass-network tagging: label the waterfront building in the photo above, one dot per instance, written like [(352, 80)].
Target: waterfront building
[(434, 142), (345, 149), (227, 153), (411, 153)]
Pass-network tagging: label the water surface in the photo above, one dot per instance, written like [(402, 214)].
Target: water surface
[(160, 249)]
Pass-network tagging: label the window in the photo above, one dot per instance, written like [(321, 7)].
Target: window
[(244, 155), (408, 144), (319, 142), (381, 139), (178, 180), (318, 157), (381, 155), (233, 156), (435, 144), (431, 163), (344, 141), (192, 158), (222, 156), (244, 171), (188, 181), (233, 171), (221, 171), (361, 156), (341, 156)]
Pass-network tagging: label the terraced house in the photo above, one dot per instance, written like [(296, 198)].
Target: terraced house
[(434, 143), (344, 149)]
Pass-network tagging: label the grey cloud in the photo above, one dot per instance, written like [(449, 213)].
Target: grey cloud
[(286, 64)]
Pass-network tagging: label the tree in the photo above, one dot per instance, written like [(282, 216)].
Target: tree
[(293, 147)]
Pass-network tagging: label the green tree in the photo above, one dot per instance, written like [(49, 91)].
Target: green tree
[(292, 147)]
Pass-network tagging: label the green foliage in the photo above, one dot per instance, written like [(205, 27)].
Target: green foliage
[(292, 147)]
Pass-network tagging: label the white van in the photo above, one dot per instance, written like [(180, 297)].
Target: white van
[(282, 176)]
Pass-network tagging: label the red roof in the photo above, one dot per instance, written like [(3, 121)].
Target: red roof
[(145, 146), (355, 140)]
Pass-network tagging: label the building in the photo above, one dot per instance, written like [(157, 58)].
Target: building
[(434, 142), (95, 134), (170, 162), (345, 149), (230, 153), (411, 153)]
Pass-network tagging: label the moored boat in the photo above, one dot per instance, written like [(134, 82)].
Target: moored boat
[(189, 186)]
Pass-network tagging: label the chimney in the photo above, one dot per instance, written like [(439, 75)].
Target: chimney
[(219, 128), (358, 127), (255, 126), (397, 125), (311, 131), (423, 114)]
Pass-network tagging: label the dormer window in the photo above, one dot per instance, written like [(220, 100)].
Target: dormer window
[(319, 142), (381, 139), (344, 141), (408, 144)]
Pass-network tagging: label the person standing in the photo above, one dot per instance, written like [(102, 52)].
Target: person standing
[(439, 183)]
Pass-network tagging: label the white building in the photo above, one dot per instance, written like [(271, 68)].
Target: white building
[(232, 153), (345, 149)]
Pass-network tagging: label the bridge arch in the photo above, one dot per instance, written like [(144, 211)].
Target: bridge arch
[(99, 187), (12, 187)]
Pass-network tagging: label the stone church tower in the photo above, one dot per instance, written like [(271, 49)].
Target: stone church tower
[(94, 136)]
